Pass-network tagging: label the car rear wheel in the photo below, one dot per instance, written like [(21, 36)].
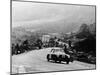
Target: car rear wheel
[(60, 58), (55, 61), (54, 57), (71, 59)]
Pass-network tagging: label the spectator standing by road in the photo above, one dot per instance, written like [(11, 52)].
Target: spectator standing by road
[(65, 49)]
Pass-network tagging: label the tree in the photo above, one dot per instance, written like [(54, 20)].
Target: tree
[(83, 31), (17, 49), (69, 43), (52, 42), (87, 45), (39, 43), (22, 48), (25, 45), (13, 49)]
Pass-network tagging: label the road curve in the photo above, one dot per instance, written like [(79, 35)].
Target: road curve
[(35, 61)]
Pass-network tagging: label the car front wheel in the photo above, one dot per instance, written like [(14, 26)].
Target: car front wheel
[(67, 62), (48, 57)]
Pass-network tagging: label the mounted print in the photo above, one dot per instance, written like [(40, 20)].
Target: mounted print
[(52, 37)]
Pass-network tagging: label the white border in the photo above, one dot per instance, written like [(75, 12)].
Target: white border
[(5, 37)]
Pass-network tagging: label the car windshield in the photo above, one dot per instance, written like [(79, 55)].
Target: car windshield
[(57, 50)]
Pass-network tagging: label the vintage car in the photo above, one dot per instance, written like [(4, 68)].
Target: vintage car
[(58, 55)]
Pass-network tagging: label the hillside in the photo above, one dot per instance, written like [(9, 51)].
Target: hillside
[(86, 31)]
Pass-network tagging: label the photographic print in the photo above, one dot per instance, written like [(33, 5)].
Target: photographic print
[(52, 37)]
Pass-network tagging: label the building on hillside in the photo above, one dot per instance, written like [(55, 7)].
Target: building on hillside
[(45, 38), (57, 35)]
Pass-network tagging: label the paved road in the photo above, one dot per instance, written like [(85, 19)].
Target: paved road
[(35, 61)]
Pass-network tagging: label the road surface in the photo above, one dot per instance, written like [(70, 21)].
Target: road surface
[(35, 61)]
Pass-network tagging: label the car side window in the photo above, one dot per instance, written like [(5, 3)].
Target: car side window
[(52, 50)]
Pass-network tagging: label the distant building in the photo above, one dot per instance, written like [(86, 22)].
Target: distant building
[(45, 38), (57, 35)]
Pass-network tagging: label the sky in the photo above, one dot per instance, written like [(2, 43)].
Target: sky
[(29, 13)]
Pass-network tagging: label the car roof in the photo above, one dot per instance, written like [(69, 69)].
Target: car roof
[(56, 48)]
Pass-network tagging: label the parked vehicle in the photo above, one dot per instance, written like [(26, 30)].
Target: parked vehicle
[(58, 55)]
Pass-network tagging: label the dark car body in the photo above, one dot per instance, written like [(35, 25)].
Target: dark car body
[(58, 55)]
